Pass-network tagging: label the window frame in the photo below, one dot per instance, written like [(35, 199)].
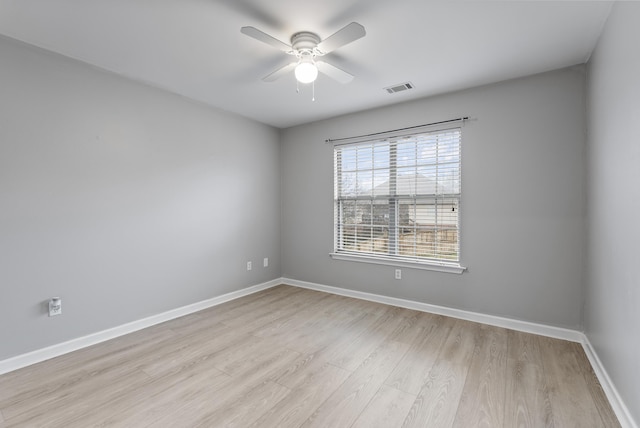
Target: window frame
[(397, 260)]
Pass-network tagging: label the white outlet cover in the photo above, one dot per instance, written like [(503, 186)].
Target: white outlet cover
[(55, 307)]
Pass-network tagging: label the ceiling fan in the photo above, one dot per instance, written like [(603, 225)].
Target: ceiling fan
[(307, 47)]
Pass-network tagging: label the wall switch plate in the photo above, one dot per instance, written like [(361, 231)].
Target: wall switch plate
[(265, 262), (55, 306), (248, 265), (398, 274)]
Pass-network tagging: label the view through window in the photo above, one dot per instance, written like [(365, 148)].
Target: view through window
[(399, 198)]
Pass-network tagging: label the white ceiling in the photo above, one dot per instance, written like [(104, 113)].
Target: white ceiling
[(195, 48)]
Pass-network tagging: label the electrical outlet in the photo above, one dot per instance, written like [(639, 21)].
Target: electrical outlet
[(248, 265), (55, 306), (398, 274), (265, 262)]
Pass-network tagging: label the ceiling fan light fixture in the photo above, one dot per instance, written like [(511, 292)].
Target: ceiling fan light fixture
[(306, 71)]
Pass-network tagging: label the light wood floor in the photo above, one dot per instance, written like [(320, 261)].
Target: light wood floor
[(289, 357)]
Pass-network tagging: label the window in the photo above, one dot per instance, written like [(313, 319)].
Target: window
[(397, 200)]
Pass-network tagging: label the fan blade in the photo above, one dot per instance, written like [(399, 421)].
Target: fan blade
[(279, 72), (265, 38), (346, 35), (334, 72)]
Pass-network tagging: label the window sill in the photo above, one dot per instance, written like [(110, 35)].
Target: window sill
[(433, 266)]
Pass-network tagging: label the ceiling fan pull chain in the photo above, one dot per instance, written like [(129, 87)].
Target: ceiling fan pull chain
[(313, 90), (297, 87)]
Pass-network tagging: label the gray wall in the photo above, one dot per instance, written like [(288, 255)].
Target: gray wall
[(612, 314), (124, 200), (522, 206)]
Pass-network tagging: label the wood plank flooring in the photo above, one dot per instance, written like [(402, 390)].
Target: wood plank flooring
[(290, 357)]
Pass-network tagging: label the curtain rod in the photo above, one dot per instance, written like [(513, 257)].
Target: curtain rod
[(333, 140)]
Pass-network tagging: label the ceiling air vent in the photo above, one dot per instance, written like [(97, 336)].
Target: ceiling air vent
[(399, 88)]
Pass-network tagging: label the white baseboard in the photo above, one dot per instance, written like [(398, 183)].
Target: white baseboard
[(49, 352), (525, 326), (621, 411)]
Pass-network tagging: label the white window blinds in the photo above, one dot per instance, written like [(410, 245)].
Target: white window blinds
[(399, 198)]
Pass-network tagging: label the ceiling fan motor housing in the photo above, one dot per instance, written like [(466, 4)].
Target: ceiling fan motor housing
[(305, 43)]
